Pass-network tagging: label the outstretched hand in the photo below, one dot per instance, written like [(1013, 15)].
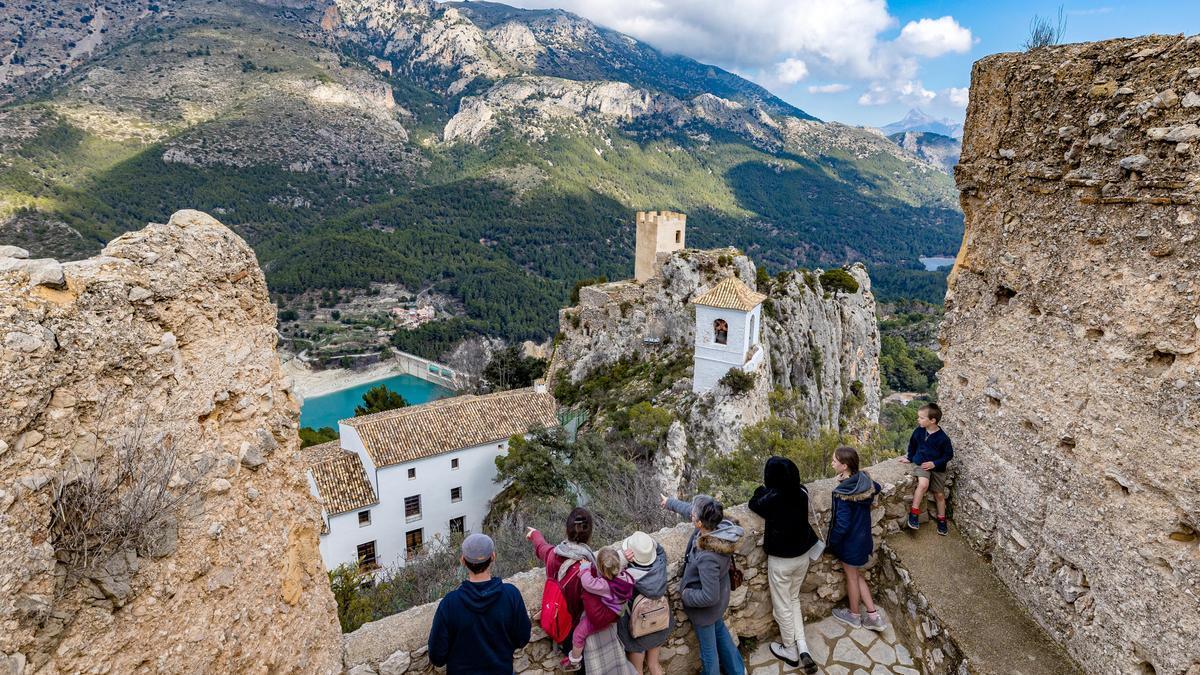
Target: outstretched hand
[(529, 532), (662, 500)]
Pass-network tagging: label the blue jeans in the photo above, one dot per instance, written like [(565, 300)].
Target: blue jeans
[(717, 644)]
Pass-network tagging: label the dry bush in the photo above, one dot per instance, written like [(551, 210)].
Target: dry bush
[(124, 502)]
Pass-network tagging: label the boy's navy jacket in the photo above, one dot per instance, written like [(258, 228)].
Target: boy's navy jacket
[(850, 522), (477, 628), (926, 447)]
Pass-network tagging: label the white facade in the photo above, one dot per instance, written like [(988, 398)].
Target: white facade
[(435, 478), (742, 348)]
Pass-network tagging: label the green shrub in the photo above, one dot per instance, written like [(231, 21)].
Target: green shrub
[(839, 280), (738, 381)]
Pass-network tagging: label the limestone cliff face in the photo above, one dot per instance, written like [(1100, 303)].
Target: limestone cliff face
[(817, 345), (1071, 344), (169, 333)]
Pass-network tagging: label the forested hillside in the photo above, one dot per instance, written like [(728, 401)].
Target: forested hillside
[(495, 155)]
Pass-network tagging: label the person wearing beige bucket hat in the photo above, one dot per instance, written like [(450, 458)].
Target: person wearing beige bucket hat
[(647, 621)]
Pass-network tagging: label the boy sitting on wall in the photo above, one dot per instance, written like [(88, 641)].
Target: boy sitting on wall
[(929, 451)]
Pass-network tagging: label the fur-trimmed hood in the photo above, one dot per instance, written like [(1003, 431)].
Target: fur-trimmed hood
[(722, 540), (856, 488)]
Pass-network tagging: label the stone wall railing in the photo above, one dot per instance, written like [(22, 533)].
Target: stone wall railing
[(397, 644)]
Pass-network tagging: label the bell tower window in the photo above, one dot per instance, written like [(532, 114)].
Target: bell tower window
[(721, 332)]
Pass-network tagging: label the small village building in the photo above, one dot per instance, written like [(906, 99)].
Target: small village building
[(728, 326), (399, 480)]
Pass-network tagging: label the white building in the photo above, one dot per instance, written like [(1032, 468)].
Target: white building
[(728, 324), (398, 480)]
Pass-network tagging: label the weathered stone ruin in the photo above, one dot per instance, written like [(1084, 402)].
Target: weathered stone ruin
[(1071, 338), (162, 349)]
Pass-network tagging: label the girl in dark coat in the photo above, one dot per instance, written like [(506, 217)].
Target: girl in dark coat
[(850, 536)]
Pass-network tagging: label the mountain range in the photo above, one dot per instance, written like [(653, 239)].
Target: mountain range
[(491, 153), (919, 120)]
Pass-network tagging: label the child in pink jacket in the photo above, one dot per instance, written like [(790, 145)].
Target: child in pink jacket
[(604, 597)]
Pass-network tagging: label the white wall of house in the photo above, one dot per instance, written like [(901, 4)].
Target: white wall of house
[(714, 360), (433, 482)]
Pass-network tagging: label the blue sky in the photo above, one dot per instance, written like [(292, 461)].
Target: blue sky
[(867, 61)]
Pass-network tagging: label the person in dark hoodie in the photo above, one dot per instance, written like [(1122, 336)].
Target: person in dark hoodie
[(648, 567), (790, 544), (478, 626), (704, 584), (850, 536)]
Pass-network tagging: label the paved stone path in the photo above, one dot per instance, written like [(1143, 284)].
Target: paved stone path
[(841, 650)]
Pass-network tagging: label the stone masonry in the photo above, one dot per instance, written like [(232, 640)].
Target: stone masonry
[(1071, 344), (170, 335), (916, 641)]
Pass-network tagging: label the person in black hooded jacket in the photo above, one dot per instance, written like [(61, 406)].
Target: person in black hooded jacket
[(790, 544), (478, 626)]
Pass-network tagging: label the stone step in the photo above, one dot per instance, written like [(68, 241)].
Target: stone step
[(994, 633)]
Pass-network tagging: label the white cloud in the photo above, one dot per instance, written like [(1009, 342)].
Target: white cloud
[(791, 71), (957, 96), (781, 42), (934, 37), (835, 88), (911, 92)]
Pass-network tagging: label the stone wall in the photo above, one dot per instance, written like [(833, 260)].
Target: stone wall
[(168, 335), (1071, 344), (397, 644)]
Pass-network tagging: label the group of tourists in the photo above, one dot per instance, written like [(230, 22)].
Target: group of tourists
[(609, 610)]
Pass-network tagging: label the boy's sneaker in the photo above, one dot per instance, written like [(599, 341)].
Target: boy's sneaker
[(810, 666), (787, 654), (913, 522), (568, 666), (943, 529), (877, 624), (847, 617)]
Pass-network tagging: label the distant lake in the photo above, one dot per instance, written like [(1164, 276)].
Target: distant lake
[(325, 411), (934, 262)]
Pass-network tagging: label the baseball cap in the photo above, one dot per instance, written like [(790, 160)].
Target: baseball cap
[(477, 548)]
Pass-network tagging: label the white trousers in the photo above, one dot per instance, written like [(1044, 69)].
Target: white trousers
[(785, 576)]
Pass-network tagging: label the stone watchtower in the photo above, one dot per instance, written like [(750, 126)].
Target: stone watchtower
[(657, 232), (728, 323)]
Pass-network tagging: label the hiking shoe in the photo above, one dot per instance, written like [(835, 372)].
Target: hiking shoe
[(913, 523), (943, 529), (786, 654), (847, 617), (810, 666), (877, 624), (568, 666)]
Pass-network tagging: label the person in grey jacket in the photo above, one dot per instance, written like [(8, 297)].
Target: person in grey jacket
[(704, 584), (648, 567)]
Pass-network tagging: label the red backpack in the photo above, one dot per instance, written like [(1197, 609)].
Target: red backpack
[(556, 618)]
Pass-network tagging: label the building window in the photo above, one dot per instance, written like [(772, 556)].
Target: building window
[(366, 556), (412, 474), (413, 541), (364, 518), (456, 494), (754, 330), (454, 464), (678, 236), (457, 525), (412, 508), (720, 332)]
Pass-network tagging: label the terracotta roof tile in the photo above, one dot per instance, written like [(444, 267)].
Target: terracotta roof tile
[(341, 479), (406, 434), (731, 293)]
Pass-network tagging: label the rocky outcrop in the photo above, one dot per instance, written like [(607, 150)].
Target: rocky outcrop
[(398, 643), (161, 349), (818, 344), (1072, 344)]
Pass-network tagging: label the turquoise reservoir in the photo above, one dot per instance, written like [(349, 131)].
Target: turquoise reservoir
[(325, 411)]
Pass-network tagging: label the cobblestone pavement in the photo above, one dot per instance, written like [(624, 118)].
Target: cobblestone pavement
[(841, 650)]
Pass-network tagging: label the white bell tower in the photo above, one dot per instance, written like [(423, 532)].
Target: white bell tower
[(728, 323)]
